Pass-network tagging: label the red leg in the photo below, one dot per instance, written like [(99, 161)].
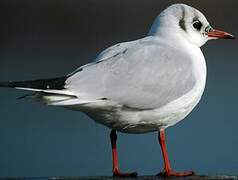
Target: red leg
[(116, 170), (167, 168)]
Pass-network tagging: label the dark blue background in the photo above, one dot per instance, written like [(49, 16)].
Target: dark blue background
[(49, 38)]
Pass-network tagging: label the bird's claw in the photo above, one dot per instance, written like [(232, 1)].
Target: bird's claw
[(117, 173), (175, 174)]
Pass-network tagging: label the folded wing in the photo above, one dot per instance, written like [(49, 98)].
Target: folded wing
[(143, 74)]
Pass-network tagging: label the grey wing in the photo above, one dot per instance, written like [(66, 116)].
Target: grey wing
[(143, 75), (115, 50), (108, 53)]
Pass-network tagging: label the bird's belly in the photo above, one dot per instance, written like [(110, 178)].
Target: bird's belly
[(130, 120)]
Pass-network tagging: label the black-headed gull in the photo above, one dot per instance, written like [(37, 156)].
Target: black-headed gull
[(139, 86)]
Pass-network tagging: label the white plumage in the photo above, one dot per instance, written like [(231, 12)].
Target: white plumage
[(143, 85)]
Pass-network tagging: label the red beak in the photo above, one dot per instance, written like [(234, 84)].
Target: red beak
[(217, 34)]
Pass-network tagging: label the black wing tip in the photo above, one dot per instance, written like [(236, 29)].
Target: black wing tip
[(44, 84)]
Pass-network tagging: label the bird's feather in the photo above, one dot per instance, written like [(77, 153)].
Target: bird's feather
[(46, 90), (43, 84)]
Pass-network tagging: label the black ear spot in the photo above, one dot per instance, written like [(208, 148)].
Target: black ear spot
[(197, 25), (182, 21), (182, 24)]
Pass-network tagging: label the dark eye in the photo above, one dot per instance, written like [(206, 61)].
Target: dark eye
[(197, 25)]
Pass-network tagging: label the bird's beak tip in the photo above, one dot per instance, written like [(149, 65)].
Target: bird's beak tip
[(218, 34)]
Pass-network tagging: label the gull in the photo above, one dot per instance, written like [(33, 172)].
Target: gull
[(139, 86)]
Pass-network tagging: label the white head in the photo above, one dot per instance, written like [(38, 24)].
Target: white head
[(188, 22)]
